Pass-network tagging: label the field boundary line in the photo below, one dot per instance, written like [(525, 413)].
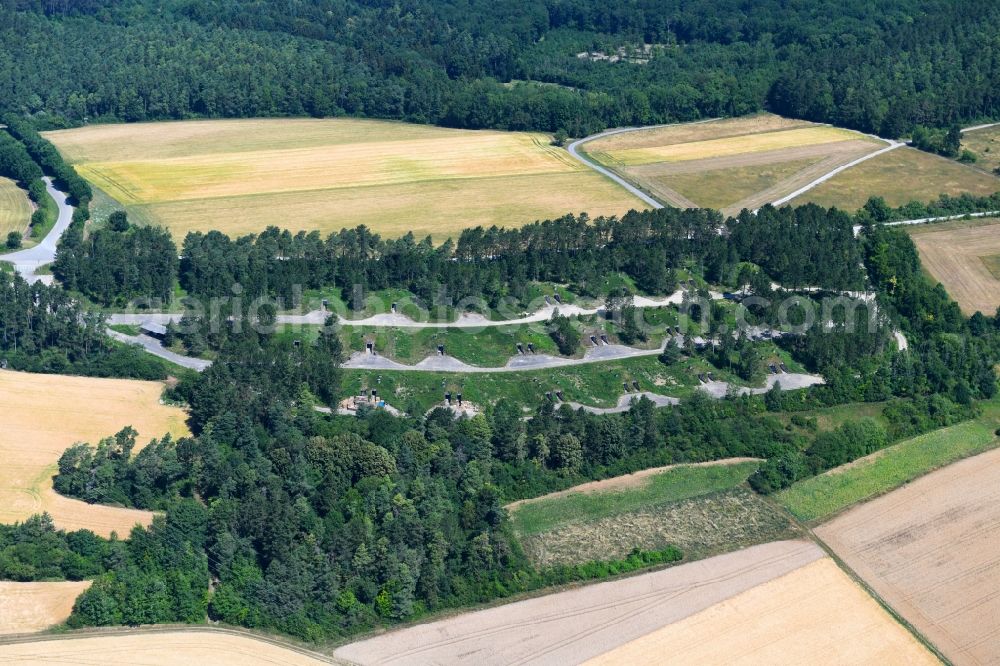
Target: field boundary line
[(875, 595), (102, 632)]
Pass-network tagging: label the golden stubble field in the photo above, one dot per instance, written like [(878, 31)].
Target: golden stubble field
[(238, 176), (929, 549), (813, 615), (162, 648), (31, 607), (15, 208), (730, 164), (781, 602), (46, 414), (960, 255)]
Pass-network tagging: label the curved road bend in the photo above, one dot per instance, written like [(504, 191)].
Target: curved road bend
[(27, 262)]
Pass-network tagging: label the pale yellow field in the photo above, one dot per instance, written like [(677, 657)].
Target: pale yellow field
[(900, 176), (31, 607), (15, 208), (814, 615), (43, 415), (238, 176), (724, 147), (729, 164), (159, 648)]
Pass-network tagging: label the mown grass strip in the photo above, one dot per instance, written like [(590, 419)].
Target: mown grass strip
[(670, 486), (833, 491)]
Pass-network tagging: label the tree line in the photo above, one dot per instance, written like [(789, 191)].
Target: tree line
[(505, 65)]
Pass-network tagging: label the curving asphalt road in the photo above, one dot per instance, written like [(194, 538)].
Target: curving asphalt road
[(155, 347), (318, 317), (573, 149), (27, 262)]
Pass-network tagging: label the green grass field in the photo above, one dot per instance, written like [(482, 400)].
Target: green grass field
[(239, 176), (703, 511), (673, 485), (829, 493)]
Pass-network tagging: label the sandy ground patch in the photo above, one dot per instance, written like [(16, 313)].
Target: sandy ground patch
[(30, 607), (814, 615), (573, 626), (955, 257), (930, 550), (46, 414), (161, 648), (634, 480)]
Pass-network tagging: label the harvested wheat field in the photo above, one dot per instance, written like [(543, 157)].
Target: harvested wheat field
[(730, 164), (813, 615), (46, 414), (930, 551), (157, 648), (15, 208), (961, 257), (900, 176), (579, 624), (238, 176), (31, 607)]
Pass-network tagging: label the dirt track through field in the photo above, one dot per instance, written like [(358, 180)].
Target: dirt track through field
[(30, 607), (930, 551), (814, 615), (576, 625), (954, 256)]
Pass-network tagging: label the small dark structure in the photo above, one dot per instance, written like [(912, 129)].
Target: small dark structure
[(441, 350), (296, 342), (625, 386), (531, 347), (604, 339), (520, 349), (548, 396), (635, 384), (370, 347), (593, 339), (773, 369), (447, 399), (153, 330), (374, 393), (459, 396), (702, 378), (556, 296), (711, 376), (559, 394), (393, 308), (548, 301), (326, 304), (3, 364), (784, 368)]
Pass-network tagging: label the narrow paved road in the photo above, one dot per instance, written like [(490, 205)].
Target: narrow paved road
[(27, 262), (574, 147), (318, 317), (156, 348)]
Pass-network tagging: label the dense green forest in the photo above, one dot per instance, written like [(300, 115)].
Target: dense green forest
[(883, 67)]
